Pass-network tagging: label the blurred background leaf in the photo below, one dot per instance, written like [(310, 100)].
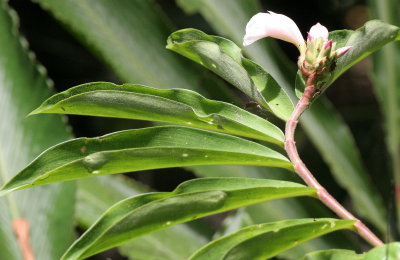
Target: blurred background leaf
[(386, 79), (49, 210)]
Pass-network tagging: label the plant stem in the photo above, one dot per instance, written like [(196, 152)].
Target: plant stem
[(307, 176)]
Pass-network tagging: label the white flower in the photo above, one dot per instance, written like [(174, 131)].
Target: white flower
[(318, 31), (318, 54), (272, 25)]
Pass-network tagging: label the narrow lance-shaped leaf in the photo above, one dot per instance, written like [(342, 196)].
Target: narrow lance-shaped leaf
[(135, 150), (267, 240), (225, 59), (96, 195), (176, 106), (365, 40), (193, 199)]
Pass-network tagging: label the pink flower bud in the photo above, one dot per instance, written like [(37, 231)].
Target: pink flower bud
[(343, 50), (328, 44), (272, 25), (319, 31)]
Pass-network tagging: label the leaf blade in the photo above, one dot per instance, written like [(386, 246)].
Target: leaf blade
[(267, 240), (133, 150), (225, 59), (177, 106), (192, 199)]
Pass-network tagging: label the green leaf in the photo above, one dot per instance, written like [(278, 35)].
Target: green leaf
[(386, 80), (365, 40), (48, 210), (276, 210), (225, 59), (130, 37), (161, 244), (267, 240), (388, 252), (135, 150), (193, 199), (176, 106), (333, 254)]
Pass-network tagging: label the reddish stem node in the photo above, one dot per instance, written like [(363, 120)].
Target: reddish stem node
[(21, 230), (307, 176)]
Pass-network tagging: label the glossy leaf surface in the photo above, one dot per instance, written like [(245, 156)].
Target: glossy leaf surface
[(225, 58), (48, 210), (193, 199), (267, 240), (96, 195), (135, 150), (176, 106)]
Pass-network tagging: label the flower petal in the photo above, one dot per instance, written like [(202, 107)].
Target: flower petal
[(272, 25), (318, 31)]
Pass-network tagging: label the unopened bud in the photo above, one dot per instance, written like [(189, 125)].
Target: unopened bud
[(341, 51), (328, 44)]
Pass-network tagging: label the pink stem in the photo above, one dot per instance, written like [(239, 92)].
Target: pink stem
[(307, 176)]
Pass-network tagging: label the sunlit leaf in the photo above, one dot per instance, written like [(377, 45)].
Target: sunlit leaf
[(225, 58), (134, 150), (176, 106)]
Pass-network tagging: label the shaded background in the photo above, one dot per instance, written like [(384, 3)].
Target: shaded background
[(70, 64)]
